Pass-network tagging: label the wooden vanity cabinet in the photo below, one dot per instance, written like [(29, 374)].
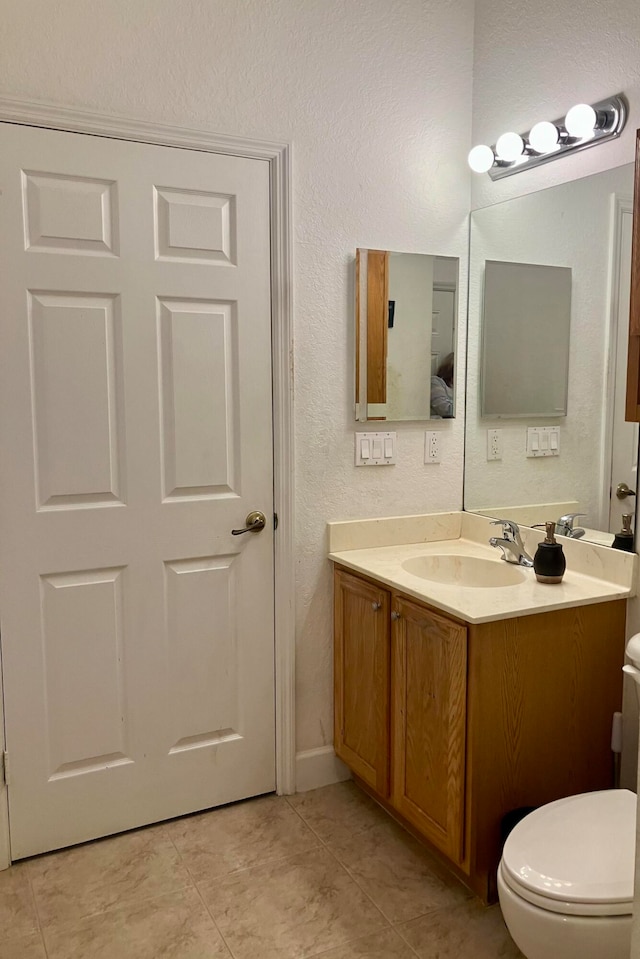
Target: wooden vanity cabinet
[(452, 726), (428, 708), (361, 678)]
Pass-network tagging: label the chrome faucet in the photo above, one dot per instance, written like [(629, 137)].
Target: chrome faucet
[(510, 543), (565, 527)]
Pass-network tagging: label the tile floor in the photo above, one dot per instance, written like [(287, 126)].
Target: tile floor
[(324, 874)]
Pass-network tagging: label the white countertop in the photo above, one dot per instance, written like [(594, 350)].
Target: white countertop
[(594, 574)]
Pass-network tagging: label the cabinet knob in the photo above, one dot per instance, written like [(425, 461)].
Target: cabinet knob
[(376, 606), (395, 615)]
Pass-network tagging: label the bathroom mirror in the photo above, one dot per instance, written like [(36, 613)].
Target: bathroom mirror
[(406, 322), (526, 313), (583, 226)]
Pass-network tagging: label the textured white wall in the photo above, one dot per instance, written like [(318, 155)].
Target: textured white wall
[(376, 99), (535, 60)]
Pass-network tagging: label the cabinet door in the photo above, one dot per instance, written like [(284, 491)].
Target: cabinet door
[(633, 357), (361, 673), (429, 722)]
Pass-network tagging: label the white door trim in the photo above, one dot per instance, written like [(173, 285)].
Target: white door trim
[(278, 155), (620, 205)]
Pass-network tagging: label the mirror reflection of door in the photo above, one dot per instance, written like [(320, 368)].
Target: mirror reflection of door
[(409, 340), (624, 452), (442, 324)]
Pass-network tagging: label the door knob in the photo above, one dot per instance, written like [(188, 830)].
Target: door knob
[(255, 522), (622, 491)]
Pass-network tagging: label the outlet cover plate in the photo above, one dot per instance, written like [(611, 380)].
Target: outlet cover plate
[(494, 445), (432, 447)]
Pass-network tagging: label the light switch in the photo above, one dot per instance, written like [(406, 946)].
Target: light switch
[(375, 449), (543, 441)]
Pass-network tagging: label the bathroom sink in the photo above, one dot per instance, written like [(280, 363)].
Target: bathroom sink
[(459, 569)]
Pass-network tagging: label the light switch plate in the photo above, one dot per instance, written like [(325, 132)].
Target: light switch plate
[(375, 449), (543, 441)]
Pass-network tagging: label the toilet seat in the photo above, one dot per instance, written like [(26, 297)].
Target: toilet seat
[(575, 856)]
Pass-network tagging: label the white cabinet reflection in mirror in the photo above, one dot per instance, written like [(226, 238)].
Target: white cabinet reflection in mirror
[(406, 312), (583, 225)]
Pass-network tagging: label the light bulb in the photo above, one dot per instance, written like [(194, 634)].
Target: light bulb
[(481, 159), (544, 137), (509, 147), (580, 121)]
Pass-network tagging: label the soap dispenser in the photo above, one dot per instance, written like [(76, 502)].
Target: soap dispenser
[(549, 563), (624, 539)]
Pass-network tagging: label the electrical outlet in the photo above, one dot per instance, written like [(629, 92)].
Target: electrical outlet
[(494, 444), (432, 447)]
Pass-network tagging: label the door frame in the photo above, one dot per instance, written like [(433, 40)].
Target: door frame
[(51, 116)]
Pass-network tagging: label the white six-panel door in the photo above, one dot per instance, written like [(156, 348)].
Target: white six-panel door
[(135, 434)]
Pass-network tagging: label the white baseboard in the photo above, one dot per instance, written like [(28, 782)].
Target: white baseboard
[(319, 767)]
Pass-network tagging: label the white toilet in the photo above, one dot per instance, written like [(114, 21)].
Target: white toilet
[(565, 880)]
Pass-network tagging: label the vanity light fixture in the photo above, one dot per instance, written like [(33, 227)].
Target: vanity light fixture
[(584, 126), (510, 147), (544, 137), (481, 159)]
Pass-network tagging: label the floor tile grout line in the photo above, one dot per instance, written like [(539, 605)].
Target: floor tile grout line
[(353, 878), (183, 861), (405, 922), (307, 955), (240, 869), (36, 910), (258, 865), (222, 877), (45, 948), (307, 824), (387, 923), (352, 942), (213, 920), (326, 844), (120, 904), (362, 890), (437, 869), (191, 883)]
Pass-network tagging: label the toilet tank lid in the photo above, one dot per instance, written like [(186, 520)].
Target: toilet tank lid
[(579, 849)]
